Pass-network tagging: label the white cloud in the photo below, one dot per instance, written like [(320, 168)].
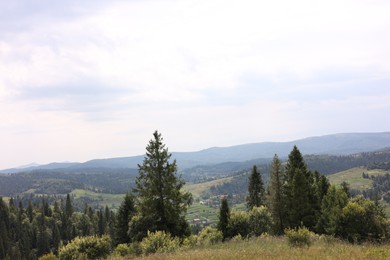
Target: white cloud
[(252, 70)]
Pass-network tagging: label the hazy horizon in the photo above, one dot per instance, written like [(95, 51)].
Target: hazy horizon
[(94, 79)]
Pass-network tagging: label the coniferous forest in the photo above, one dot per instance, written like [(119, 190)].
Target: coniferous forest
[(294, 201)]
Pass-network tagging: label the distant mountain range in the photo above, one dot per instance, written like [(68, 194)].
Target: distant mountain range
[(335, 144)]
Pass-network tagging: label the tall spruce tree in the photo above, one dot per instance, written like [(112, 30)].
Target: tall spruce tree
[(275, 189), (125, 212), (298, 189), (255, 196), (224, 216), (159, 190)]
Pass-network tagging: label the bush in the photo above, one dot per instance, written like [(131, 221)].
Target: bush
[(159, 241), (239, 224), (209, 235), (237, 238), (122, 250), (362, 220), (299, 237), (260, 220), (49, 256), (190, 242), (86, 248)]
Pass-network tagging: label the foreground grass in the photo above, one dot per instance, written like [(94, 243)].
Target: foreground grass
[(277, 248)]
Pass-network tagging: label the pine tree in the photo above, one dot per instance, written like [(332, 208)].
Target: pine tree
[(275, 188), (298, 191), (224, 216), (68, 207), (4, 229), (159, 190), (301, 211), (255, 197), (331, 207), (101, 223), (125, 212)]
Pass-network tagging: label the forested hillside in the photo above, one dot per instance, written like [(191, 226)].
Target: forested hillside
[(50, 182)]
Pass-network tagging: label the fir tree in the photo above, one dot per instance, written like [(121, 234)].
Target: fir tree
[(298, 191), (125, 212), (275, 188), (159, 190), (224, 216), (255, 197)]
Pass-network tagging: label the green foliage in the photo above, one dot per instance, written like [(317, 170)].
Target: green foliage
[(255, 196), (160, 242), (239, 224), (86, 248), (362, 220), (302, 192), (275, 199), (332, 204), (224, 216), (49, 256), (130, 250), (260, 221), (299, 237), (122, 250), (125, 213), (190, 241), (159, 190), (139, 227), (237, 238), (209, 235)]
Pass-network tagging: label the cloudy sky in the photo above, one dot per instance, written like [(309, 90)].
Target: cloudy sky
[(90, 79)]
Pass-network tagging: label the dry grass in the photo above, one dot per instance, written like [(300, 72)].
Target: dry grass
[(277, 248)]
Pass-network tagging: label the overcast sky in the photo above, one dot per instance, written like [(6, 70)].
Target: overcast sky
[(81, 80)]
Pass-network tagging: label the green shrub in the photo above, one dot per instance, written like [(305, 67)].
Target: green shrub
[(260, 220), (190, 242), (159, 241), (122, 250), (209, 235), (299, 237), (239, 224), (49, 256), (90, 247), (135, 249), (132, 249), (237, 238)]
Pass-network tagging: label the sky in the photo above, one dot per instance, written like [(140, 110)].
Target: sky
[(90, 79)]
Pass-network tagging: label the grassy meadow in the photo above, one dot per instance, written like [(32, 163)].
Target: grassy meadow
[(277, 248), (355, 178), (113, 201), (198, 188)]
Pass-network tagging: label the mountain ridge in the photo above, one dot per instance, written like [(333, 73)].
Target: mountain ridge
[(333, 144)]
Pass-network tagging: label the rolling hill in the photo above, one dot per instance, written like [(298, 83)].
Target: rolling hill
[(335, 144)]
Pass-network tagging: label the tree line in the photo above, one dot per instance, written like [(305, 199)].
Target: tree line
[(299, 198)]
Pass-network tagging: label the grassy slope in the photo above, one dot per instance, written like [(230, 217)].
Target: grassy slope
[(355, 178), (198, 188), (111, 200), (277, 248), (198, 210), (356, 181)]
